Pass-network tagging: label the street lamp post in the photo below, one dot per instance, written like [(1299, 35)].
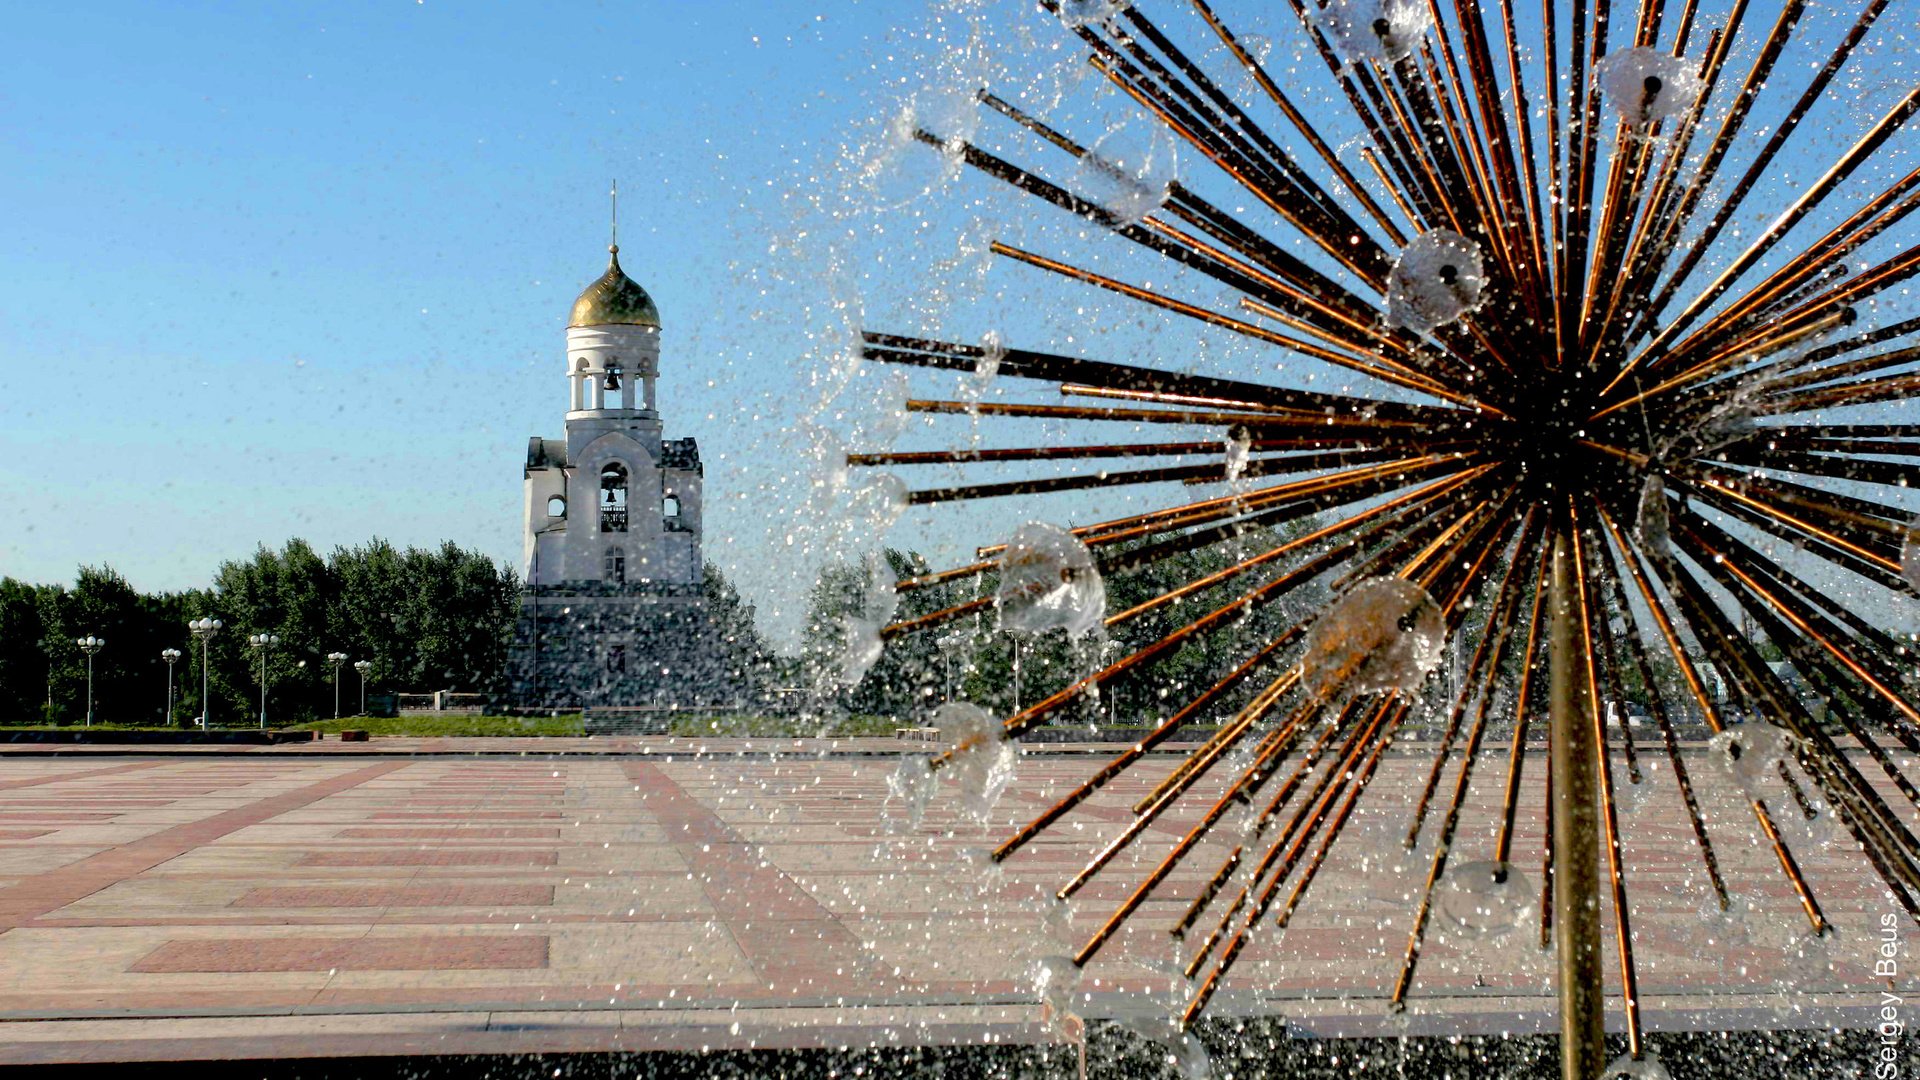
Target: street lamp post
[(203, 631), (363, 666), (172, 657), (1107, 652), (47, 647), (949, 644), (1016, 674), (89, 645), (336, 659), (263, 642)]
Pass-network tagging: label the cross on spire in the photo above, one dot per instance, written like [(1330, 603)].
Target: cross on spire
[(614, 223)]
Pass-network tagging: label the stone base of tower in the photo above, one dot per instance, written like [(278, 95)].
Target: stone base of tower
[(630, 657)]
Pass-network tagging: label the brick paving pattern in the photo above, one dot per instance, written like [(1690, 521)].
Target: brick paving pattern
[(189, 904)]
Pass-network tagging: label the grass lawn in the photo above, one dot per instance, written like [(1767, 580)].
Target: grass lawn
[(453, 725)]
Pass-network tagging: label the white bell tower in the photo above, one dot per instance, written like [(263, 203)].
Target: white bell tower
[(613, 505)]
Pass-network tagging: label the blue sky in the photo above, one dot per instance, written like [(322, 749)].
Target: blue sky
[(303, 270), (284, 270), (291, 270)]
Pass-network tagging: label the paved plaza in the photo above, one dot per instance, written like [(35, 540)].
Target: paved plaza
[(582, 895)]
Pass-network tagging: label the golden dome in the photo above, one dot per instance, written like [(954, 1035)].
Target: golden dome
[(615, 299)]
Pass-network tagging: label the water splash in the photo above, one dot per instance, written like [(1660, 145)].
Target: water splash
[(912, 783), (1128, 172), (880, 500), (1258, 46), (984, 872), (861, 646), (1048, 581), (901, 170), (1382, 30), (1811, 957), (1625, 1067), (1486, 899), (983, 758), (1630, 796), (1731, 925), (1055, 981), (1384, 634), (1822, 829), (1075, 14), (975, 384), (1910, 555), (1056, 919), (827, 474), (1438, 278), (1750, 755), (1180, 1050), (860, 649), (1646, 86), (1239, 449), (1651, 523)]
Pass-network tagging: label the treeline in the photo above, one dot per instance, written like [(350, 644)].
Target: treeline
[(969, 658), (427, 620)]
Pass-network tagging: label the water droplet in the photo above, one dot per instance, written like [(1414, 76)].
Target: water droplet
[(913, 783), (1438, 278), (1650, 524), (1625, 1067), (1384, 634), (1384, 30), (1910, 555), (1055, 978), (901, 169), (860, 649), (1182, 1051), (983, 759), (1729, 925), (873, 609), (985, 873), (1127, 173), (1750, 756), (974, 386), (1077, 13), (1239, 449), (1048, 581), (883, 498), (1486, 899), (1056, 919), (1646, 86)]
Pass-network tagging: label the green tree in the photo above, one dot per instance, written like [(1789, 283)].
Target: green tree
[(24, 663), (129, 676), (427, 620), (969, 658), (740, 655)]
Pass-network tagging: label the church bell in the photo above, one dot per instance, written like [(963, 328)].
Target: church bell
[(613, 379)]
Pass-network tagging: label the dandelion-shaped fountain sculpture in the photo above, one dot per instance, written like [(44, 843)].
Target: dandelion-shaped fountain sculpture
[(1601, 433)]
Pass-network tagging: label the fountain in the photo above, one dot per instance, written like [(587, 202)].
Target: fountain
[(1557, 383)]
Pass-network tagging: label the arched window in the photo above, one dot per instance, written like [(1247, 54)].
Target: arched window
[(670, 506), (556, 507), (616, 566), (613, 498)]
